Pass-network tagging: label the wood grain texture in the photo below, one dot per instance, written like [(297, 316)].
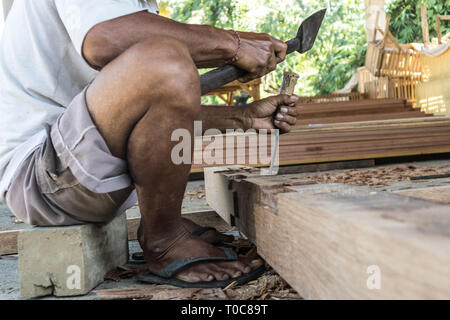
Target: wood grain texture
[(440, 194), (338, 142), (339, 231), (424, 19), (323, 238)]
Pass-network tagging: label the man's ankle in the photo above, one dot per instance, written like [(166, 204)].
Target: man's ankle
[(156, 242)]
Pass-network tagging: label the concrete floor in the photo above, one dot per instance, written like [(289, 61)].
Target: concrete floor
[(9, 281)]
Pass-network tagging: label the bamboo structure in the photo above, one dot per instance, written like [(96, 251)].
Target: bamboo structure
[(391, 70)]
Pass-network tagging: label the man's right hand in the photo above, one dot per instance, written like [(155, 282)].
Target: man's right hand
[(260, 54)]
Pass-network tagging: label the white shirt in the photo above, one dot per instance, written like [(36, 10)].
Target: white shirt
[(42, 70)]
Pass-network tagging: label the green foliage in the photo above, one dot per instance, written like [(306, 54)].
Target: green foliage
[(406, 23), (338, 51)]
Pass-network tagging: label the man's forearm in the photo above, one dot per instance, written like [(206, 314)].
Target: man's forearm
[(224, 118), (209, 46)]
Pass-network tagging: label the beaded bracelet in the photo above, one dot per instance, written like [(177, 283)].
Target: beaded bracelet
[(236, 57)]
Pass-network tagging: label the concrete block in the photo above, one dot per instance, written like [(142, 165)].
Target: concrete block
[(69, 261)]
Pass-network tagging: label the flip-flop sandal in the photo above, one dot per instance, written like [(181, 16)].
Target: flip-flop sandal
[(165, 276), (138, 257)]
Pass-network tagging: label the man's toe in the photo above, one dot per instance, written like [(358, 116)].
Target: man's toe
[(189, 277)]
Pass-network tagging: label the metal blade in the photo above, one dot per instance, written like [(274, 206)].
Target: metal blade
[(307, 33)]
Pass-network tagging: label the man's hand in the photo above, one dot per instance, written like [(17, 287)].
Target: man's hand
[(260, 54), (277, 112)]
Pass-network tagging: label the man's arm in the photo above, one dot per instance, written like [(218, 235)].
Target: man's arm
[(257, 115), (209, 46)]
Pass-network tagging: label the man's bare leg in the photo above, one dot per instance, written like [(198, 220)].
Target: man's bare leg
[(137, 101)]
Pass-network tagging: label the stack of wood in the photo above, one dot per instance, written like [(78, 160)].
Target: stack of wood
[(357, 110), (333, 97), (334, 142)]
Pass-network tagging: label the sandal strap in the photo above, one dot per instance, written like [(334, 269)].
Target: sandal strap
[(176, 266), (201, 230)]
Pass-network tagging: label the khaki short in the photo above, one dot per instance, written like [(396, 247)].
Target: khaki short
[(71, 178)]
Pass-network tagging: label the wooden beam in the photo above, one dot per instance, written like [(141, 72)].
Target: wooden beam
[(425, 32), (324, 239), (441, 194), (438, 26), (375, 15), (217, 181)]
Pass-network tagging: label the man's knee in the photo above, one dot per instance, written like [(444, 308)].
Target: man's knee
[(166, 65)]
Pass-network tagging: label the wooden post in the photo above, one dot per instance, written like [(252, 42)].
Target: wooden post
[(425, 33), (438, 26), (375, 15)]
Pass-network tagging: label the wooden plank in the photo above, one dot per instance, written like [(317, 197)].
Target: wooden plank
[(343, 231), (219, 199), (438, 26), (373, 9), (362, 117), (323, 239), (344, 141), (217, 182), (441, 194), (8, 242), (425, 32)]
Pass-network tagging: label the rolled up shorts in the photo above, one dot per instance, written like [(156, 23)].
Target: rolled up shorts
[(72, 177)]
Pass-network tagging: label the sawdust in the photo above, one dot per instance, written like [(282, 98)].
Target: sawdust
[(195, 194), (122, 272), (163, 292), (381, 176), (270, 286)]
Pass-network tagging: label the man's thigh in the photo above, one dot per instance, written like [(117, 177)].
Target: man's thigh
[(154, 75), (71, 178)]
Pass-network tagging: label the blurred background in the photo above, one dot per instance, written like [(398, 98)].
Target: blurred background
[(341, 45)]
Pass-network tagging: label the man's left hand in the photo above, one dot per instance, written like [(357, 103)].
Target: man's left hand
[(277, 112)]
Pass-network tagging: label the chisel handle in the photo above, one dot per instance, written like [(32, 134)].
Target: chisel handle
[(217, 78)]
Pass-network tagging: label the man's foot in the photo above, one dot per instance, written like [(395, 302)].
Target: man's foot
[(186, 246), (210, 236)]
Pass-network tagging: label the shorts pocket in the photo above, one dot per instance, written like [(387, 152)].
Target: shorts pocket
[(51, 174)]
